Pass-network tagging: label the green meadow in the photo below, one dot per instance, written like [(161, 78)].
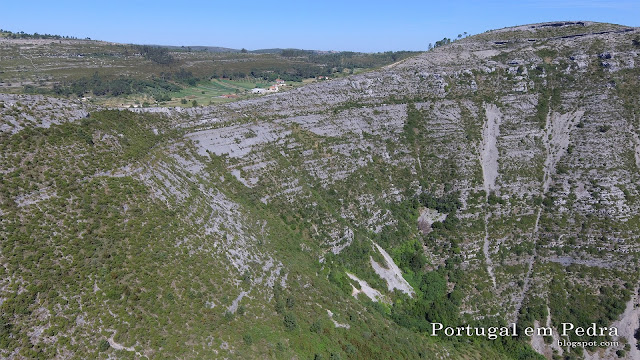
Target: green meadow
[(212, 91)]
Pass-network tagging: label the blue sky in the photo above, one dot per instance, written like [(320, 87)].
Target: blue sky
[(368, 26)]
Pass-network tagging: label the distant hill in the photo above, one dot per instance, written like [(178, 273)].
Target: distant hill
[(152, 73), (216, 49), (211, 49)]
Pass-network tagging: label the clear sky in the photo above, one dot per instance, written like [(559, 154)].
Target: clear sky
[(368, 26)]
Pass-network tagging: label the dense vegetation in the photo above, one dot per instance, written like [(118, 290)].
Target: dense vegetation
[(157, 54), (98, 86)]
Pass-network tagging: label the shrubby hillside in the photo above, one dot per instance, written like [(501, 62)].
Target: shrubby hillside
[(487, 181)]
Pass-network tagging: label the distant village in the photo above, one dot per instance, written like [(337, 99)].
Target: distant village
[(279, 84), (273, 88)]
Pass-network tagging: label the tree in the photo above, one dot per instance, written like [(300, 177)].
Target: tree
[(290, 321), (158, 55), (444, 41), (103, 346)]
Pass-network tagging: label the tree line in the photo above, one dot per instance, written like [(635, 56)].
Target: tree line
[(98, 86), (22, 35), (314, 65), (158, 55)]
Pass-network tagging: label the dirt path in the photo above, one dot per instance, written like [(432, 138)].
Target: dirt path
[(117, 346), (30, 60)]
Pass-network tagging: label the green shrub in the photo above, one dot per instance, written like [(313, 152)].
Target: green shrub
[(103, 345), (290, 322)]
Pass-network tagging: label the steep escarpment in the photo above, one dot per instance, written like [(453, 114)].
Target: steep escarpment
[(488, 181)]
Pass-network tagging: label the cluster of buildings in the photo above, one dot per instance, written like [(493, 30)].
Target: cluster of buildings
[(273, 88)]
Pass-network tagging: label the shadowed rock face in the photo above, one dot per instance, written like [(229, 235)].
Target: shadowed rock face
[(526, 127)]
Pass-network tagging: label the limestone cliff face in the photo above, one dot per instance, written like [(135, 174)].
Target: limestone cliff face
[(522, 142), (536, 127)]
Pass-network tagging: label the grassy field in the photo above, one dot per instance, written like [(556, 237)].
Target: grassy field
[(205, 93), (212, 91)]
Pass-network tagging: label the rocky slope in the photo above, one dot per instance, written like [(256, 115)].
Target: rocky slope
[(498, 175)]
